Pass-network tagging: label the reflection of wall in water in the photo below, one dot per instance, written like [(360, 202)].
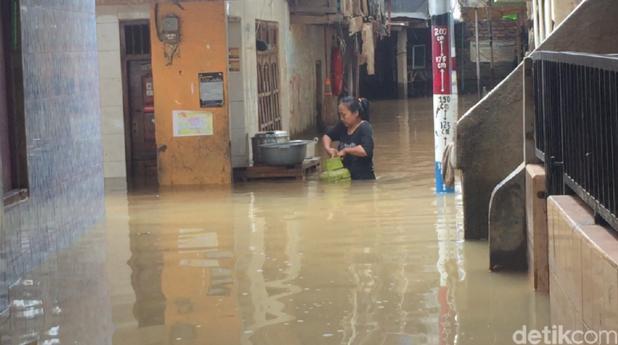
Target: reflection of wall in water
[(64, 301), (146, 266), (198, 282)]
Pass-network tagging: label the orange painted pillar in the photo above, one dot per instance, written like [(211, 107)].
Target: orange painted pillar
[(193, 158)]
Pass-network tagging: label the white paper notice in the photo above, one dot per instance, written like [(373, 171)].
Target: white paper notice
[(189, 123)]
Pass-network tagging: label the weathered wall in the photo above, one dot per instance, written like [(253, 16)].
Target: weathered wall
[(202, 159), (64, 155), (110, 71), (304, 48)]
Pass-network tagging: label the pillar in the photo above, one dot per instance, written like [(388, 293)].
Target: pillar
[(444, 88), (402, 63)]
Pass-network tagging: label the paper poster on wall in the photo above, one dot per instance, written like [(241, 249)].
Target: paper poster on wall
[(211, 90), (189, 123)]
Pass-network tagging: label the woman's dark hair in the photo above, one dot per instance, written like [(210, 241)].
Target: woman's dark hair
[(357, 105)]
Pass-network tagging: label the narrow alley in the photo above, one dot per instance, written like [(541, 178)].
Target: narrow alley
[(283, 263), (308, 172)]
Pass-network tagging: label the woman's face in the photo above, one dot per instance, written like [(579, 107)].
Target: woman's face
[(348, 118)]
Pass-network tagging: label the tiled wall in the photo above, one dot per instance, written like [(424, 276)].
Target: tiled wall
[(112, 113), (63, 134), (583, 267)]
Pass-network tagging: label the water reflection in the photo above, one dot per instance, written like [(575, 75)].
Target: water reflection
[(286, 263), (65, 300)]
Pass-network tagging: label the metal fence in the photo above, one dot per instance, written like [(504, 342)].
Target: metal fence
[(576, 127)]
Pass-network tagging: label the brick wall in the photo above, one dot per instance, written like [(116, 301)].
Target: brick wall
[(505, 32)]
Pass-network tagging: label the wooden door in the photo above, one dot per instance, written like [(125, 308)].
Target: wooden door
[(141, 113)]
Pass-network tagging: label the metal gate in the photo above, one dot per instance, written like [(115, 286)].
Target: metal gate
[(269, 109), (576, 130)]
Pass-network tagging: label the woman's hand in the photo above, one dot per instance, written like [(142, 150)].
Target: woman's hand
[(342, 153), (327, 141), (332, 152)]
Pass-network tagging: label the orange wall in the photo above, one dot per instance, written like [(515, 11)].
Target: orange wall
[(203, 48)]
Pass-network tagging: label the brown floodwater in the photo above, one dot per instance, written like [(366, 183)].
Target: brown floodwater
[(283, 263)]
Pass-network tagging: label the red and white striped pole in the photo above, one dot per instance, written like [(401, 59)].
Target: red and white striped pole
[(444, 83)]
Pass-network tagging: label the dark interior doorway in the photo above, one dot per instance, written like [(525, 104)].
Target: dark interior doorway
[(140, 141), (319, 92), (420, 77), (383, 84)]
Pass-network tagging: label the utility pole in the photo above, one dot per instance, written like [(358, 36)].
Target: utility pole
[(491, 42), (444, 83), (478, 52)]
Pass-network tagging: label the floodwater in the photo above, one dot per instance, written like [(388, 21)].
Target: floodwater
[(283, 263)]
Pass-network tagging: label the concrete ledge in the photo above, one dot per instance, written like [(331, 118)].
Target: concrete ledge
[(507, 223), (536, 224), (489, 146), (583, 266)]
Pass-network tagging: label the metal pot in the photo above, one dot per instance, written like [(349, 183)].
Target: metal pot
[(311, 144), (272, 137), (290, 153)]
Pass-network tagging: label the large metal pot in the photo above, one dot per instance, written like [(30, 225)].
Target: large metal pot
[(272, 137), (290, 153), (311, 145)]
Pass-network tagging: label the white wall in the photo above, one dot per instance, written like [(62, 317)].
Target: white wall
[(249, 11), (238, 130), (300, 47), (548, 14), (112, 113)]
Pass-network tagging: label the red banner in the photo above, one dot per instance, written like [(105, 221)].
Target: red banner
[(441, 60)]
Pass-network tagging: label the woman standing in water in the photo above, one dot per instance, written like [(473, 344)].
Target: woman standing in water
[(355, 136)]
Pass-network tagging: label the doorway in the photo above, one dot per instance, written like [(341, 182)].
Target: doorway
[(138, 93)]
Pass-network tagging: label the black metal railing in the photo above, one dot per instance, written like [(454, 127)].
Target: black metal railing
[(576, 126)]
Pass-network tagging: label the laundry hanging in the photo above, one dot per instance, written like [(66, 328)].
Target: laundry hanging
[(368, 55)]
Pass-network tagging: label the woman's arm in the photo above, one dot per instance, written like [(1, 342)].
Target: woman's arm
[(357, 151), (327, 142)]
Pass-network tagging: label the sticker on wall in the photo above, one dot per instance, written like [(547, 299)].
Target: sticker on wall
[(211, 90), (189, 123), (234, 53), (234, 66), (234, 59)]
